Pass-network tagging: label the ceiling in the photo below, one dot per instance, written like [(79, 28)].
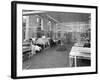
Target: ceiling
[(69, 17), (61, 16)]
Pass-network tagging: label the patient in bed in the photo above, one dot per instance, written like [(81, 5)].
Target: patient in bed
[(87, 44), (34, 48)]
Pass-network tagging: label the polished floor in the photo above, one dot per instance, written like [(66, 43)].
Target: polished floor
[(53, 58), (49, 58)]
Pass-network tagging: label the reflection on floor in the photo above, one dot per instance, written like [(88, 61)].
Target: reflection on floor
[(49, 58), (52, 58)]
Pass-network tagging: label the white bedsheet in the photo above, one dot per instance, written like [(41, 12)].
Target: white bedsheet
[(80, 51)]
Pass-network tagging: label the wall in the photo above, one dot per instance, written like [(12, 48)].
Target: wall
[(32, 23), (31, 26), (72, 30)]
